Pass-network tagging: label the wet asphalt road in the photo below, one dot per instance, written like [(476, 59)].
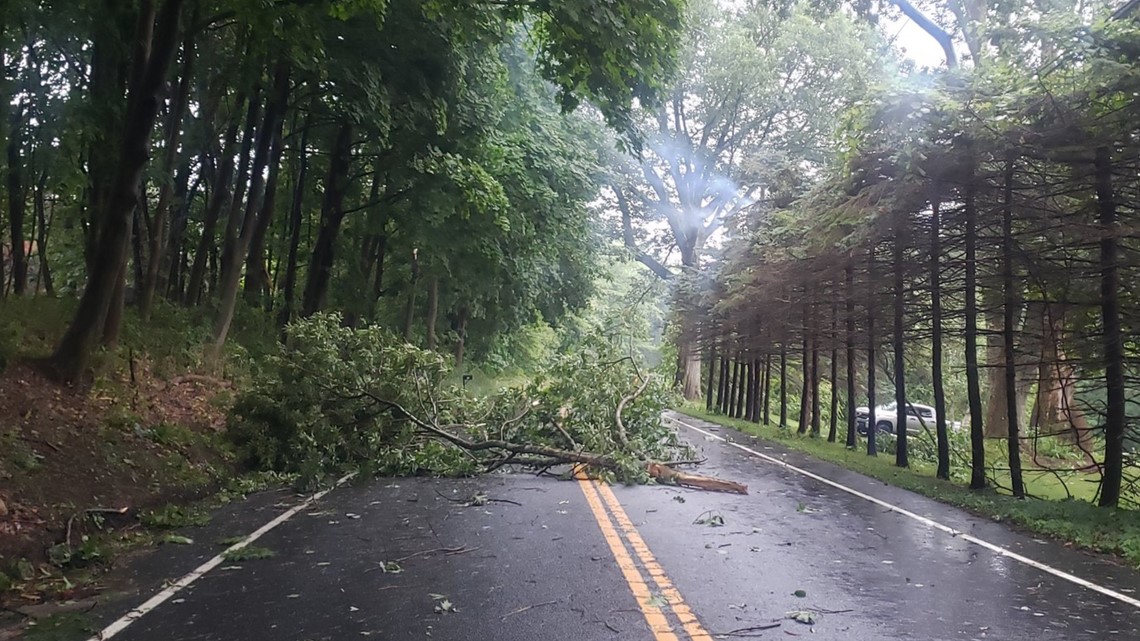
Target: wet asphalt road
[(576, 561)]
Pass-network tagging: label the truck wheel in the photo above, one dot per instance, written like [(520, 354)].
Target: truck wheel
[(885, 427)]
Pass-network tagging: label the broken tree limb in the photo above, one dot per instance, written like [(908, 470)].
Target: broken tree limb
[(665, 474), (622, 436), (660, 472)]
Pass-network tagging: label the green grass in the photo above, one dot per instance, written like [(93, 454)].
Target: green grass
[(1050, 512), (61, 627)]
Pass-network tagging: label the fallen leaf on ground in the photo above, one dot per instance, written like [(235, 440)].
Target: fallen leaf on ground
[(805, 617)]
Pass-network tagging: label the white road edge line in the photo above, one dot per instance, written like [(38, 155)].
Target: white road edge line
[(172, 589), (926, 521)]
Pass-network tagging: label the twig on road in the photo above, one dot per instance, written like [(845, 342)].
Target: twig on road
[(478, 499), (751, 631), (524, 609), (447, 551)]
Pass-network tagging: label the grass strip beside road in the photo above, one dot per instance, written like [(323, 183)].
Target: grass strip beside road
[(1078, 522)]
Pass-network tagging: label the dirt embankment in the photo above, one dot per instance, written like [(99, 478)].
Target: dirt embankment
[(92, 461)]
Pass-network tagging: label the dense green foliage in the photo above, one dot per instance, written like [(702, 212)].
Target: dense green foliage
[(426, 166), (338, 400)]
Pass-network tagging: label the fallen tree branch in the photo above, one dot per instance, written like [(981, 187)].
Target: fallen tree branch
[(665, 474), (622, 436), (660, 472)]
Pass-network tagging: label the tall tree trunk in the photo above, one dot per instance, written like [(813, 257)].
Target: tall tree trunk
[(296, 211), (833, 415), (757, 393), (849, 337), (740, 392), (746, 407), (1010, 307), (767, 385), (257, 289), (172, 275), (722, 386), (690, 358), (220, 198), (1055, 411), (805, 387), (901, 454), (433, 311), (17, 197), (1115, 418), (71, 355), (783, 387), (973, 386), (936, 337), (236, 248), (872, 338), (159, 238), (42, 240), (410, 309), (732, 388), (712, 379), (332, 215), (250, 145), (816, 415)]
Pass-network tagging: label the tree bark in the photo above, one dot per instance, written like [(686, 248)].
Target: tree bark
[(410, 308), (849, 336), (942, 435), (236, 247), (732, 388), (332, 215), (816, 416), (742, 387), (1010, 308), (973, 386), (1115, 417), (257, 287), (219, 199), (833, 416), (783, 387), (1055, 412), (872, 448), (159, 28), (722, 386), (159, 239), (712, 379), (296, 211), (17, 200), (805, 387), (767, 389), (901, 454), (42, 239)]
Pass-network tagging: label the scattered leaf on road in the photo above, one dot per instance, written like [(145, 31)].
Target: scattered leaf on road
[(805, 617)]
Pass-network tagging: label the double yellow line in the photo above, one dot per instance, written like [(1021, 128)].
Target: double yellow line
[(600, 497)]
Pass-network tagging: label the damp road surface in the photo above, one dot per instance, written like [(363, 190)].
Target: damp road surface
[(523, 558)]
